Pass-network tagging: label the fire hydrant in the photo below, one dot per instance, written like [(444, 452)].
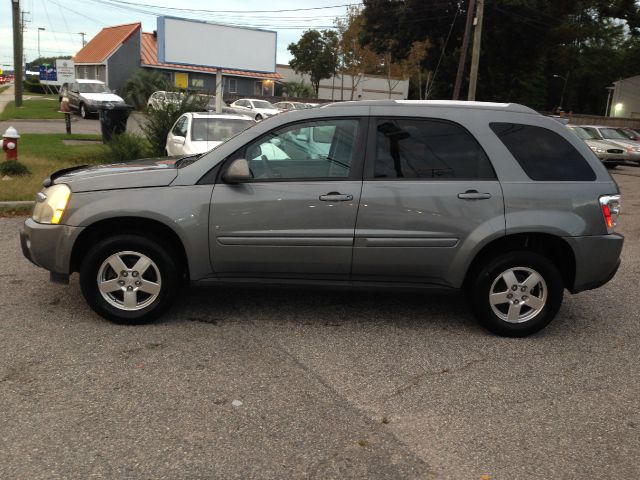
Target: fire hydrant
[(10, 143)]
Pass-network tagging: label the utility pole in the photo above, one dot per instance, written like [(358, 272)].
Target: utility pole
[(463, 50), (475, 54), (82, 34), (17, 52)]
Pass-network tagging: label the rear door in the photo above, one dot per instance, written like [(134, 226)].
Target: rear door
[(429, 194), (296, 217)]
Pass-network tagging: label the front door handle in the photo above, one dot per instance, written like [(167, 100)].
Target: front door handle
[(335, 197), (474, 195)]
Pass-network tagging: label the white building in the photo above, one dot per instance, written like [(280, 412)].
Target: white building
[(626, 98), (363, 87)]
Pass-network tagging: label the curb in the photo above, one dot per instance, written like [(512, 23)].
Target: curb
[(19, 203)]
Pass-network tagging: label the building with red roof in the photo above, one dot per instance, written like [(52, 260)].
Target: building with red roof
[(117, 52)]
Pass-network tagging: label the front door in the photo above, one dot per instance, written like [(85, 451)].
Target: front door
[(429, 190), (296, 217)]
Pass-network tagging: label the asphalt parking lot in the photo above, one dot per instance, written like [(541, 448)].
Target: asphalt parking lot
[(247, 383)]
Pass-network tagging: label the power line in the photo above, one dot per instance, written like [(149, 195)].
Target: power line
[(444, 47), (196, 10)]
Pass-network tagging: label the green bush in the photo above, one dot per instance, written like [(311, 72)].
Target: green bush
[(127, 146), (13, 167), (33, 85), (139, 87), (158, 121)]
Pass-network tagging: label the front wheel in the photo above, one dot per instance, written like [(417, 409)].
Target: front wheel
[(83, 111), (258, 117), (517, 293), (129, 279)]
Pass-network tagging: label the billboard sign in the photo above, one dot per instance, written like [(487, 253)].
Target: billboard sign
[(65, 70), (48, 74), (195, 43), (62, 71)]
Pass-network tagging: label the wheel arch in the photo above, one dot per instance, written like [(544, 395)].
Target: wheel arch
[(553, 247), (151, 229)]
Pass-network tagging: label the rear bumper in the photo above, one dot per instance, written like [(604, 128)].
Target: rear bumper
[(49, 246), (597, 260)]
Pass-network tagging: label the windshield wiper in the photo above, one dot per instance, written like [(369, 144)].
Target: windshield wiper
[(183, 162)]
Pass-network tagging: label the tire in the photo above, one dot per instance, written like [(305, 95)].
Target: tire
[(83, 111), (159, 279), (258, 117), (506, 318), (610, 166)]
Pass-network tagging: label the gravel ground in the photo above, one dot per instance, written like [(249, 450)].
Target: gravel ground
[(256, 383)]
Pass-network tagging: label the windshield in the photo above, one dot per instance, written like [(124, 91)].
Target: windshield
[(217, 129), (583, 134), (93, 88), (262, 104), (612, 133)]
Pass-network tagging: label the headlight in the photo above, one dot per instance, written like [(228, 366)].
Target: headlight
[(51, 203), (597, 149)]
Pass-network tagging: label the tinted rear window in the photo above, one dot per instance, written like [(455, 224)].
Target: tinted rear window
[(430, 150), (543, 154)]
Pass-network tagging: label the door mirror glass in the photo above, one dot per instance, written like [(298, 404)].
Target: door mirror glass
[(237, 172)]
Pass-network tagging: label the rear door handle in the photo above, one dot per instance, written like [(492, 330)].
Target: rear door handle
[(474, 195), (335, 197)]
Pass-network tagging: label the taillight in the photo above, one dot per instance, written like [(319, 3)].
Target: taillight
[(610, 205)]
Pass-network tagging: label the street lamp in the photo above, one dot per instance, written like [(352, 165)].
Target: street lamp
[(40, 29), (564, 87)]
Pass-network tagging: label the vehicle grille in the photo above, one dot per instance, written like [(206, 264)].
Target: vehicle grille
[(615, 150)]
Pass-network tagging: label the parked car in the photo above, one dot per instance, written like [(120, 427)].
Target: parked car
[(200, 132), (492, 199), (257, 109), (86, 96), (612, 135), (630, 133), (286, 106), (161, 99), (610, 153)]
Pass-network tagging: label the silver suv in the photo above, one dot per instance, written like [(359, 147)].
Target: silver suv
[(493, 199)]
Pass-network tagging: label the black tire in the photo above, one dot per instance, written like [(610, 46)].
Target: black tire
[(258, 117), (610, 166), (165, 262), (83, 111), (481, 284)]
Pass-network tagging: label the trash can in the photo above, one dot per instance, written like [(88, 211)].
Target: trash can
[(113, 119)]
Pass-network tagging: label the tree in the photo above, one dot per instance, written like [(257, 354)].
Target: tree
[(525, 43), (355, 59), (314, 54), (140, 85), (297, 89)]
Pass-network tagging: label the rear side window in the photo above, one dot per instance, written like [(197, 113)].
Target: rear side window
[(428, 149), (543, 154)]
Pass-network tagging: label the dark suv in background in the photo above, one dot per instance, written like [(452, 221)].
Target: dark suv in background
[(494, 199)]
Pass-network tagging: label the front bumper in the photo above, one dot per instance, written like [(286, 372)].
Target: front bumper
[(49, 246), (597, 260)]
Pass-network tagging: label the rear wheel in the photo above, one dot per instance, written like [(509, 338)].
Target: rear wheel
[(258, 117), (517, 293), (129, 279)]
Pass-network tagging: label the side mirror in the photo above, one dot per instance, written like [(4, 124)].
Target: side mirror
[(179, 139), (275, 141), (237, 172)]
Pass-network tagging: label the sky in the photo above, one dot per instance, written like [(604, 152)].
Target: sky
[(64, 19)]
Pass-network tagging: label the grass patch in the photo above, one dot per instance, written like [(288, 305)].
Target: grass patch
[(44, 154), (43, 107), (4, 88)]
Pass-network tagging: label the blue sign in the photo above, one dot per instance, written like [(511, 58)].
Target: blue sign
[(48, 73)]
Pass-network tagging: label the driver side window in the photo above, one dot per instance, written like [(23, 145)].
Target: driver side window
[(315, 149)]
